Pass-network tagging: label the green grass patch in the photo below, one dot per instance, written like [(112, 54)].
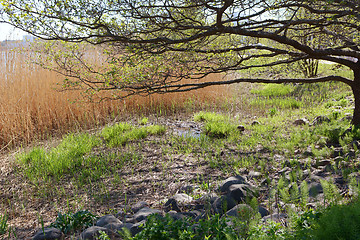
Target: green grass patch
[(122, 133), (67, 157), (274, 90)]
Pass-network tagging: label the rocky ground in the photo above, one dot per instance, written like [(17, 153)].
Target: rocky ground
[(183, 185)]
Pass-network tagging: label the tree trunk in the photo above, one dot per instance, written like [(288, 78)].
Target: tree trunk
[(356, 91)]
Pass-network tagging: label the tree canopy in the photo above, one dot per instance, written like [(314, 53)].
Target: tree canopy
[(152, 45)]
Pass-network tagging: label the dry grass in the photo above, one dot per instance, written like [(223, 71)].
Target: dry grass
[(32, 109)]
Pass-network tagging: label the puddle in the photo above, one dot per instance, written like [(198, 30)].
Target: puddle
[(194, 133)]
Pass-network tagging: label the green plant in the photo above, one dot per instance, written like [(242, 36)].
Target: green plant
[(67, 157), (339, 222), (163, 228), (122, 133), (143, 121), (69, 222), (3, 224)]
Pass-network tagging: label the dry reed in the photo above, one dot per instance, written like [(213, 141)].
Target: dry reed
[(32, 109)]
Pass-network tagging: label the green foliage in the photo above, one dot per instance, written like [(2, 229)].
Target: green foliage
[(339, 222), (268, 231), (304, 224), (163, 228), (67, 157), (143, 121), (122, 133), (78, 221), (210, 117), (216, 125), (274, 90), (3, 224)]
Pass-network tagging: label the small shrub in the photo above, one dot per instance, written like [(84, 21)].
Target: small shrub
[(74, 222)]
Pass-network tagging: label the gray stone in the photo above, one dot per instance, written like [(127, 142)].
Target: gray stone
[(224, 187), (314, 189), (263, 211), (138, 206), (49, 234), (138, 227), (253, 174), (241, 128), (277, 217), (171, 204), (114, 226), (186, 189), (209, 197), (223, 204), (104, 220), (301, 121), (93, 233), (144, 213), (182, 198), (242, 211), (319, 120), (241, 192), (255, 123)]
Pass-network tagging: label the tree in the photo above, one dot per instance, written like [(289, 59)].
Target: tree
[(152, 45)]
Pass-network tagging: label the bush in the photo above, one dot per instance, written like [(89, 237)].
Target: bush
[(164, 228), (339, 222), (73, 222)]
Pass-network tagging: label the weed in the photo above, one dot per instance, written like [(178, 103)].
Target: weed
[(69, 222), (3, 224)]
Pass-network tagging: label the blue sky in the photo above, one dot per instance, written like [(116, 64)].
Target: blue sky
[(8, 32)]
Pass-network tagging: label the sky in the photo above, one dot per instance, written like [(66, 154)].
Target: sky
[(8, 32)]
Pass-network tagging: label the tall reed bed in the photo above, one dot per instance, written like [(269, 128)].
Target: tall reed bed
[(33, 108)]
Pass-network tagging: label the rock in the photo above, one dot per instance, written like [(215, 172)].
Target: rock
[(301, 121), (193, 213), (255, 123), (263, 211), (277, 217), (241, 192), (308, 152), (114, 227), (224, 188), (319, 120), (92, 233), (136, 228), (241, 211), (106, 220), (241, 128), (186, 189), (171, 204), (315, 189), (223, 204), (338, 152), (49, 233), (253, 174), (322, 163), (139, 205), (182, 198), (208, 198), (144, 213)]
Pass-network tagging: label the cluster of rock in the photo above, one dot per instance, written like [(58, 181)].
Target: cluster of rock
[(233, 193)]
